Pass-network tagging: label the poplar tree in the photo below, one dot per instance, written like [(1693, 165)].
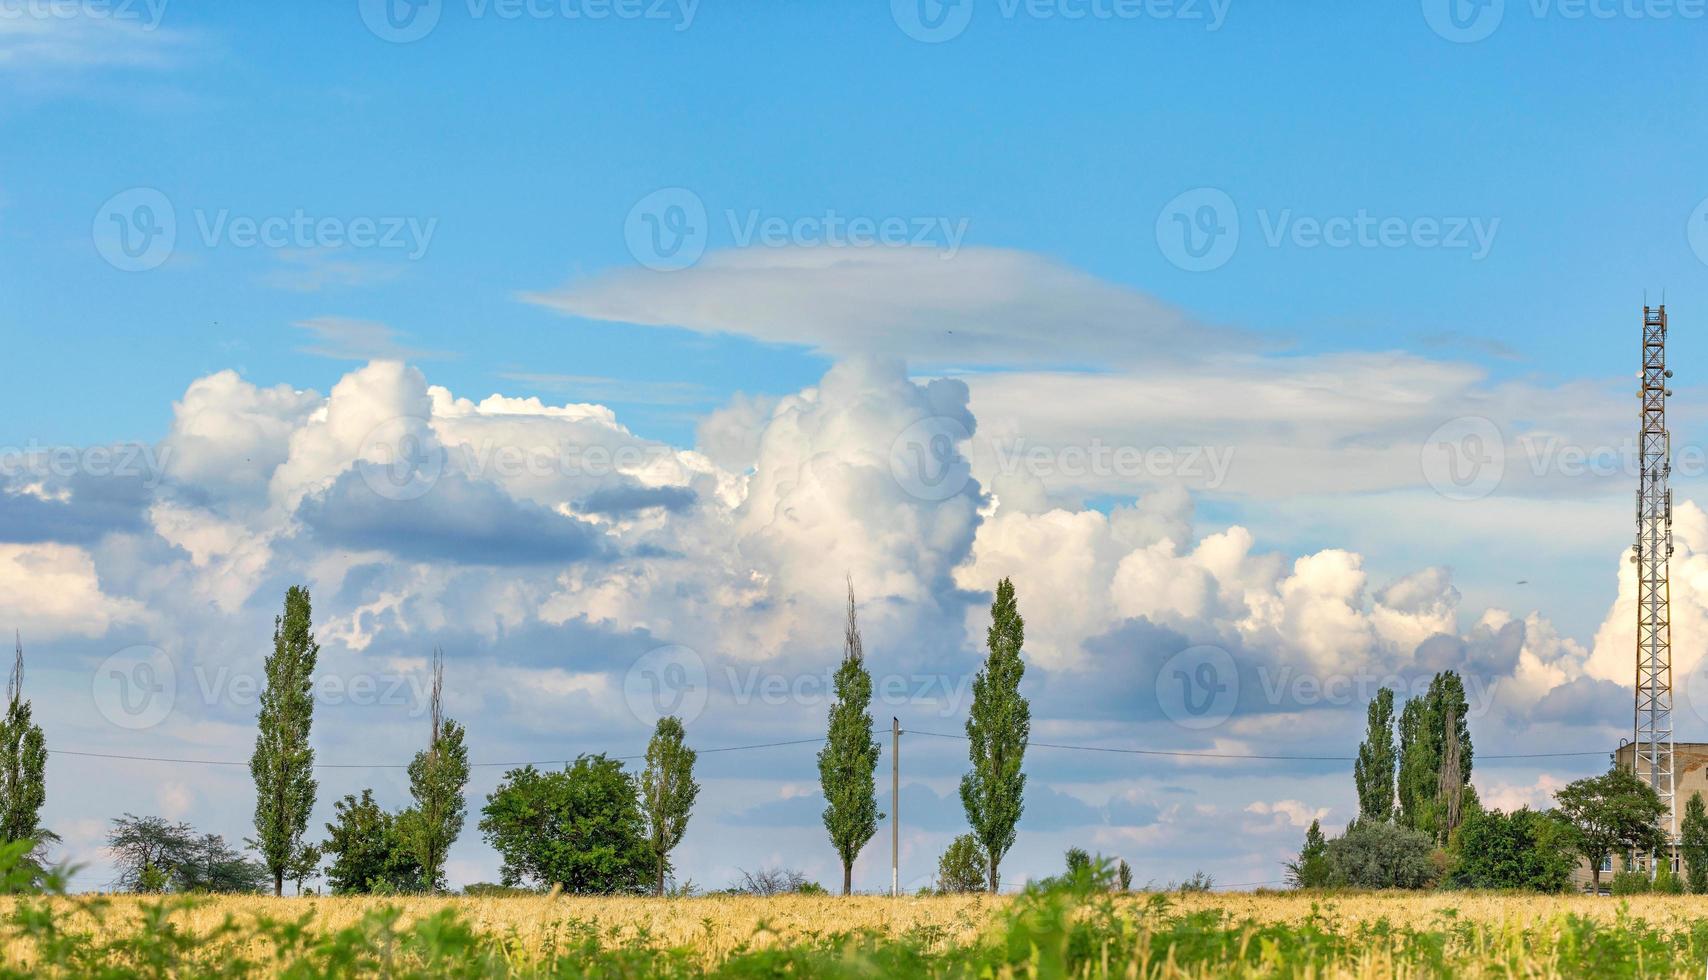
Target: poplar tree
[(1419, 767), (1435, 758), (283, 763), (437, 776), (998, 728), (1373, 771), (1693, 841), (23, 767), (667, 791), (850, 756)]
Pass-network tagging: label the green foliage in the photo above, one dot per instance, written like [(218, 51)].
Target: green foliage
[(368, 855), (1373, 770), (1124, 876), (963, 867), (215, 866), (1666, 882), (1423, 743), (1199, 882), (305, 867), (152, 880), (283, 763), (1374, 854), (1693, 841), (667, 792), (437, 776), (1312, 869), (849, 758), (998, 728), (488, 889), (152, 854), (768, 882), (1631, 883), (580, 828), (1078, 859), (1418, 774), (23, 769), (1521, 850), (1610, 813), (1074, 928)]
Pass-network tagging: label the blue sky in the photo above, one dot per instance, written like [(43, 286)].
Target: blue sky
[(528, 140), (1535, 184)]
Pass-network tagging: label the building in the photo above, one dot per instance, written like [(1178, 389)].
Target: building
[(1690, 775)]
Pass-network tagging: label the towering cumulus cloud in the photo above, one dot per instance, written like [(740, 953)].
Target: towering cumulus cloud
[(551, 550)]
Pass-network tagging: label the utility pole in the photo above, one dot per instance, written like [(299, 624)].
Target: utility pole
[(895, 807)]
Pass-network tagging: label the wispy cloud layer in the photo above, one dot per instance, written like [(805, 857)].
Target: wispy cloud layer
[(977, 306)]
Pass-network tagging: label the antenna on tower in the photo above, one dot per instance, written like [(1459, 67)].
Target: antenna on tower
[(1652, 742)]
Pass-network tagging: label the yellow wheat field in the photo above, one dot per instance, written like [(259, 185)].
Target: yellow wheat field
[(713, 927)]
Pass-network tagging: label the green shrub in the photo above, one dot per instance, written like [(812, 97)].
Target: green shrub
[(487, 889), (963, 867), (1375, 854), (1523, 849), (1667, 883), (1631, 883)]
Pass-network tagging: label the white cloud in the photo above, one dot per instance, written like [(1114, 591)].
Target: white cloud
[(743, 560), (71, 40), (1507, 797), (1290, 812), (50, 591), (979, 306), (347, 339)]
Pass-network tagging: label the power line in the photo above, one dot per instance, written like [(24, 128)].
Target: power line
[(1246, 755), (1111, 750), (395, 765)]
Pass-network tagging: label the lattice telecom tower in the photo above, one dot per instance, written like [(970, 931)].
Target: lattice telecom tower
[(1652, 753)]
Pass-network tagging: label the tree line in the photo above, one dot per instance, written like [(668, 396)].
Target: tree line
[(591, 827), (1421, 825)]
